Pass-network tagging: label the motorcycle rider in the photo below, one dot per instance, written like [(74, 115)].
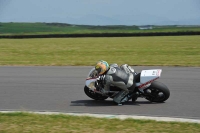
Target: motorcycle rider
[(121, 77)]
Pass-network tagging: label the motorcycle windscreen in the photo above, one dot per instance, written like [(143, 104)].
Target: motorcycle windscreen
[(90, 83), (93, 73)]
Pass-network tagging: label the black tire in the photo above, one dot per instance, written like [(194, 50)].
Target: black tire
[(157, 92), (94, 95)]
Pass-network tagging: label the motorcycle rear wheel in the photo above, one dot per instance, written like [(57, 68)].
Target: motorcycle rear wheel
[(94, 95), (157, 92)]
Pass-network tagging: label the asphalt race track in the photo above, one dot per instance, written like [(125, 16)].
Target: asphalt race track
[(60, 89)]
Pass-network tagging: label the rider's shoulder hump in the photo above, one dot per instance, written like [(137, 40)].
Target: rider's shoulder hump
[(114, 65)]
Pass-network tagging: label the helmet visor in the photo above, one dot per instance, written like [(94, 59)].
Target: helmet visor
[(98, 70)]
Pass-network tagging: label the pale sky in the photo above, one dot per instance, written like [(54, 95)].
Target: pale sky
[(102, 12)]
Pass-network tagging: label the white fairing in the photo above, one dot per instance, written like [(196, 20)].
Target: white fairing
[(149, 75), (90, 83)]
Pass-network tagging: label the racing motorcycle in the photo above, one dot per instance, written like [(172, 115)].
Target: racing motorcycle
[(145, 86)]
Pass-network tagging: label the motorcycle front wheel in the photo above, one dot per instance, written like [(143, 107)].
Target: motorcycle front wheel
[(94, 95), (157, 92)]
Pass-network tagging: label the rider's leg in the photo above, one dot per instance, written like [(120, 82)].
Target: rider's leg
[(120, 96), (123, 96)]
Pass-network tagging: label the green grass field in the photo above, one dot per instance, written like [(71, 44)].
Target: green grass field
[(58, 28), (152, 51), (34, 123)]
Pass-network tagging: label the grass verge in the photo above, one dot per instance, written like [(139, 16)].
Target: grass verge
[(26, 122), (152, 51)]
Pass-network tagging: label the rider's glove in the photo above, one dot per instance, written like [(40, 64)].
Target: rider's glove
[(99, 84), (101, 78)]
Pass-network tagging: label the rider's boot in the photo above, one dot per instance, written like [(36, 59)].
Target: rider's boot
[(121, 97)]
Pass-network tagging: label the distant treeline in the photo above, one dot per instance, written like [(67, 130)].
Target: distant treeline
[(101, 35)]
